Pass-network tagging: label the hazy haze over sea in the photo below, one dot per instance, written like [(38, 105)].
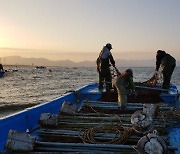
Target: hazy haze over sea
[(24, 87)]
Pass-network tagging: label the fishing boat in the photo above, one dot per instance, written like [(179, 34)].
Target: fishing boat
[(1, 74), (40, 67), (89, 121)]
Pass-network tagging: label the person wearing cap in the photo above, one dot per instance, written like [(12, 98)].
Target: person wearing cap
[(168, 63), (103, 67), (124, 84)]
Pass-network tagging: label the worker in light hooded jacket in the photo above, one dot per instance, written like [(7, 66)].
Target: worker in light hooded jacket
[(103, 67), (124, 84)]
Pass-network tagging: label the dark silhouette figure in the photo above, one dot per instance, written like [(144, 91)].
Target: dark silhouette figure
[(168, 63), (1, 68), (103, 67)]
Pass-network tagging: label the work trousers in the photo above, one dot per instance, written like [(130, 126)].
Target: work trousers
[(167, 73), (105, 76), (118, 83)]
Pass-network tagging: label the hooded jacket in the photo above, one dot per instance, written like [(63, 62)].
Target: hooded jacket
[(164, 59), (106, 57)]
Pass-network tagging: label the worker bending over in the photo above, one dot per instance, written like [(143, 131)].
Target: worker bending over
[(124, 84)]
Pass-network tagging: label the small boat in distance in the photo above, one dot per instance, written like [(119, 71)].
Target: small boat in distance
[(89, 121), (40, 67)]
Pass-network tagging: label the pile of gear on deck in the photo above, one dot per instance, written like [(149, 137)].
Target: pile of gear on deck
[(144, 131)]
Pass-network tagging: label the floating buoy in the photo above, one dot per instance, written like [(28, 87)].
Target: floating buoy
[(69, 108), (142, 122), (151, 144), (48, 119), (20, 141)]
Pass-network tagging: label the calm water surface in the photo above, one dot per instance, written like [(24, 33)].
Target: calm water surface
[(24, 87)]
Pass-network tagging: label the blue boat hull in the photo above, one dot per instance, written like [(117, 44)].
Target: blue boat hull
[(28, 118)]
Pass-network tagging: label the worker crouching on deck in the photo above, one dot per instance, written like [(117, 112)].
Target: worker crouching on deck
[(124, 84)]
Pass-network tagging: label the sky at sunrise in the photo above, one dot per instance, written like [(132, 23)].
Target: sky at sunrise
[(78, 29)]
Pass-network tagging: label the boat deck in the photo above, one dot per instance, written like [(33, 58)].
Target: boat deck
[(98, 127)]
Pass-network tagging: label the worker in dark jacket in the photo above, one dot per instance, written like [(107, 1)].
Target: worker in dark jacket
[(124, 84), (168, 63), (103, 67), (1, 68)]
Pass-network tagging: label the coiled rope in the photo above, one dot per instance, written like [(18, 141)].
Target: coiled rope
[(120, 133)]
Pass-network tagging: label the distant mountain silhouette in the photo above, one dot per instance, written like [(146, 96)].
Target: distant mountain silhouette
[(17, 60)]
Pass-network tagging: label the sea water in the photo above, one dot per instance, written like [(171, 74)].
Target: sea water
[(24, 87)]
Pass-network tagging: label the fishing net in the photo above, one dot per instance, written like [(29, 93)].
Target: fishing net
[(155, 79)]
